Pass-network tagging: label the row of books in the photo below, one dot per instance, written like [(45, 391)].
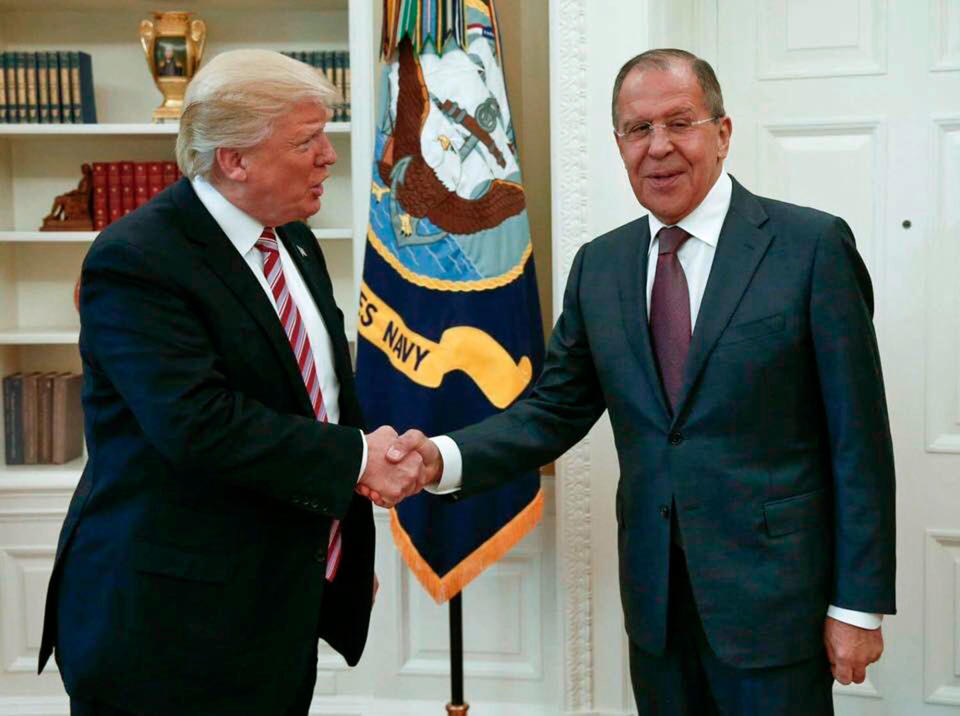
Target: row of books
[(42, 418), (46, 88), (121, 187), (335, 64)]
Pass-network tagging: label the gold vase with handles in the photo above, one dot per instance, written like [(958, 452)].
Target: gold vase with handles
[(173, 43)]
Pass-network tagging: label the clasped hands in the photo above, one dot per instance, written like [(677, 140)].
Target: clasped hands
[(398, 466)]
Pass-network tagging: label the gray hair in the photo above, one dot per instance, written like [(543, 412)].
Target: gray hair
[(664, 59), (234, 100)]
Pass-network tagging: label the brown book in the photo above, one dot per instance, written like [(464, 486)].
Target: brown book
[(29, 419), (44, 418), (67, 417)]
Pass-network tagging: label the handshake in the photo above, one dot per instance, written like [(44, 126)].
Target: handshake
[(398, 466)]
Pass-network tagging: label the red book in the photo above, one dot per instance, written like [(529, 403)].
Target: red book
[(154, 178), (169, 173), (101, 216), (100, 174), (126, 198), (126, 172), (114, 198), (140, 193)]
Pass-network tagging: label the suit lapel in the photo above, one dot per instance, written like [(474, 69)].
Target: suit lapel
[(633, 303), (303, 250), (223, 259), (742, 244)]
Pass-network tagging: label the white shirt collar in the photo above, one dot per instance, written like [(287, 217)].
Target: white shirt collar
[(706, 221), (241, 228)]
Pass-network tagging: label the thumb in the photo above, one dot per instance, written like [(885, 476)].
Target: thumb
[(404, 445)]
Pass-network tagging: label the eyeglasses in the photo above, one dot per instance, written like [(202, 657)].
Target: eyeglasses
[(675, 129)]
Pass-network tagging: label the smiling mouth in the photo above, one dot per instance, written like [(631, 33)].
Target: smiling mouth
[(662, 179)]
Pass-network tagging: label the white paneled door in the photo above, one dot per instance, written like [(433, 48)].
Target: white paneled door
[(853, 106)]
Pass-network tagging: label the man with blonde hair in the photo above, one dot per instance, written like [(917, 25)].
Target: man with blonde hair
[(215, 534)]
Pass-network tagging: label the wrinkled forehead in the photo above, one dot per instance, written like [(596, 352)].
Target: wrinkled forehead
[(651, 92)]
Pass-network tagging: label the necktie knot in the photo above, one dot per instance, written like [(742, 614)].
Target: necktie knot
[(671, 239), (267, 240)]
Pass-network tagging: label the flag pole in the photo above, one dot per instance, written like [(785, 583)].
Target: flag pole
[(456, 705)]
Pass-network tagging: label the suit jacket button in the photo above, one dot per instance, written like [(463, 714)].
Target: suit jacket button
[(320, 555), (665, 512), (675, 438)]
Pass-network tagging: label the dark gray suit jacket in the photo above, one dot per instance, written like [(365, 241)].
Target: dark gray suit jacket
[(779, 457)]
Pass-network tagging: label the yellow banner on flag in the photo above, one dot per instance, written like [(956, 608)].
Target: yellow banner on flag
[(425, 362)]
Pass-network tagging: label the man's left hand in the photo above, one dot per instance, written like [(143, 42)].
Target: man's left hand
[(850, 649)]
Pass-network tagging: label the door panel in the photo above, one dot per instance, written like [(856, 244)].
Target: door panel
[(853, 106)]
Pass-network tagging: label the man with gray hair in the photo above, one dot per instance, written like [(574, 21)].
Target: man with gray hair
[(730, 338), (215, 534)]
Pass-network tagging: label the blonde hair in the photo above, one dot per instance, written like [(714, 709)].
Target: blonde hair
[(234, 100)]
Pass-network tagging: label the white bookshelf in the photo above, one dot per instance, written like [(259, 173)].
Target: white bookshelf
[(115, 129)]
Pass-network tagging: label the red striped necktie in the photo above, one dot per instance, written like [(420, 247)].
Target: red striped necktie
[(300, 343)]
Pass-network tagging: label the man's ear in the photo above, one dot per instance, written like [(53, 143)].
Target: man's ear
[(231, 164)]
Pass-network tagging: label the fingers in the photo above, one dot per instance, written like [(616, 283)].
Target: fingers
[(411, 440), (842, 673), (850, 649)]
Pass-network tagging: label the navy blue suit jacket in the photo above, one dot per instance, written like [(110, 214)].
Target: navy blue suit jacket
[(189, 575), (778, 458)]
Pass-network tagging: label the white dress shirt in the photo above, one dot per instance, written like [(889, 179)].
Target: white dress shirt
[(243, 231), (696, 257)]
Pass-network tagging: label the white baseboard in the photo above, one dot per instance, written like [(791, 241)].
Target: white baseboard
[(34, 705), (326, 706)]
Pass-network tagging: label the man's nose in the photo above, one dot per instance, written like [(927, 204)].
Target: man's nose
[(660, 142), (326, 154)]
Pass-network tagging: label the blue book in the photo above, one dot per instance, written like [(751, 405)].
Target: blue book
[(82, 102), (3, 87), (12, 423)]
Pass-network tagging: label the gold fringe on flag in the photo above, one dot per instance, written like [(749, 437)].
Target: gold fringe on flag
[(440, 23), (442, 589)]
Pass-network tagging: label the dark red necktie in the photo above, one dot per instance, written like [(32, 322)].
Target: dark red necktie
[(300, 343), (670, 326)]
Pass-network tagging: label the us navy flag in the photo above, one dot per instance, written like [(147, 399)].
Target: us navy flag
[(449, 323)]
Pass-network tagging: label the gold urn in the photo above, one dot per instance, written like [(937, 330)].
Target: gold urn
[(173, 43)]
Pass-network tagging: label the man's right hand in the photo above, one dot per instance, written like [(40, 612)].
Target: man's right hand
[(387, 482), (412, 445)]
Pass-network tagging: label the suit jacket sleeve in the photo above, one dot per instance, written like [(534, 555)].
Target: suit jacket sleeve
[(848, 363), (566, 401), (140, 330)]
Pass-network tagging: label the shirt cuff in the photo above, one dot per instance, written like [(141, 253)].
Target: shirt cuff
[(452, 478), (363, 460), (864, 620)]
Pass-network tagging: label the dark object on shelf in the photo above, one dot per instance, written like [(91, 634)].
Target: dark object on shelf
[(12, 412), (72, 211)]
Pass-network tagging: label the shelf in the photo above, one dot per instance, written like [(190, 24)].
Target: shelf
[(14, 478), (111, 129), (39, 336), (47, 237), (80, 237), (337, 234), (197, 6)]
